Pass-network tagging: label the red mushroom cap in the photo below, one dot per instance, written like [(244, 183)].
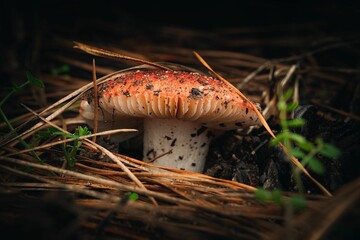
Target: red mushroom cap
[(182, 95)]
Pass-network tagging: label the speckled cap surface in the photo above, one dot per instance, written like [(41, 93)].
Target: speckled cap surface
[(176, 94)]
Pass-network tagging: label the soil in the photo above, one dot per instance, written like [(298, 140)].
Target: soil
[(252, 160)]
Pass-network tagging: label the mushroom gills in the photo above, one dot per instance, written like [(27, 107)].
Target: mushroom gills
[(184, 144), (106, 121)]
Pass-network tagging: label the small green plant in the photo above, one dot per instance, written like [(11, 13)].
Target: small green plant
[(298, 202), (70, 149), (132, 196), (32, 81), (63, 70), (299, 147), (297, 144)]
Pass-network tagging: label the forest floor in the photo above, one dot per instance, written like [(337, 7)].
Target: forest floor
[(260, 48)]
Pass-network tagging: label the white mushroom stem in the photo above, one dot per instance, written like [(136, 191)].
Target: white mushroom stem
[(187, 141)]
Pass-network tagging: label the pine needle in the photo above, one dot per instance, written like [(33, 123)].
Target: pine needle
[(108, 54)]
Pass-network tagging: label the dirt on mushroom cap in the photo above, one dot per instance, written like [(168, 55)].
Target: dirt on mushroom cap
[(176, 94)]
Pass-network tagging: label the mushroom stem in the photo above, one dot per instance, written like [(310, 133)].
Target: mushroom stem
[(188, 142)]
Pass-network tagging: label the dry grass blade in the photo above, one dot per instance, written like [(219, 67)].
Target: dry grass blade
[(71, 98), (49, 118), (183, 174), (232, 55), (249, 76), (44, 146), (88, 178), (234, 211), (104, 53), (72, 188), (84, 65), (104, 150), (96, 101), (122, 166), (266, 125)]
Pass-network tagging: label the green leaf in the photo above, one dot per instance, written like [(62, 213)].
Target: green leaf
[(133, 196), (81, 150), (78, 144), (71, 162), (319, 142), (277, 197), (68, 135), (298, 202), (263, 195), (45, 134), (280, 137), (52, 130), (288, 94), (282, 106), (297, 153), (296, 122), (273, 142), (82, 131), (34, 81), (284, 124), (15, 87), (292, 106), (306, 146), (330, 151), (59, 70), (42, 135), (69, 147), (316, 166), (297, 138)]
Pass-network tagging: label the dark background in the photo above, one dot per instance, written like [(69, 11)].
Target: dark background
[(34, 35), (26, 26)]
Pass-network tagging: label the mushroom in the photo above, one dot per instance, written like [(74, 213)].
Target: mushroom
[(177, 109)]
